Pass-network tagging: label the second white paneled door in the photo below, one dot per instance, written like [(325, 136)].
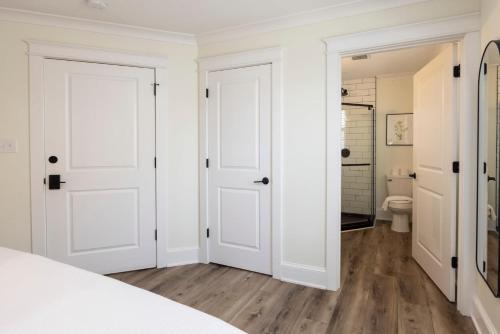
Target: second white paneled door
[(435, 187), (100, 141), (239, 174)]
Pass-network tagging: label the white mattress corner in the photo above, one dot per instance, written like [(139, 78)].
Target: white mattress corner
[(38, 295)]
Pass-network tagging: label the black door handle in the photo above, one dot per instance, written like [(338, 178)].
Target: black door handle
[(55, 182), (413, 175), (264, 181)]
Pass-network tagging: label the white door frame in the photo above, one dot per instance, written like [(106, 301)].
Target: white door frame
[(271, 56), (37, 52), (464, 29)]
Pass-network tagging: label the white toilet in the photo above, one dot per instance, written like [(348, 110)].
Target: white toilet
[(399, 201)]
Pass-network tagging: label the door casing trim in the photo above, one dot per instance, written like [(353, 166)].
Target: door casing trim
[(271, 56), (37, 52), (465, 29)]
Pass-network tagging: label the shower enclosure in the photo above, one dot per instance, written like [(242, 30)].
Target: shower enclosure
[(358, 166)]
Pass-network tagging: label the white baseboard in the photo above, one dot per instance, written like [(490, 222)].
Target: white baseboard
[(480, 318), (182, 256), (311, 276), (383, 215)]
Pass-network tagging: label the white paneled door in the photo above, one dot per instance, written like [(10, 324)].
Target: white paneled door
[(239, 180), (435, 187), (100, 141)]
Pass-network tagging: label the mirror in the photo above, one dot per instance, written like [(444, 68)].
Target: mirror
[(488, 168)]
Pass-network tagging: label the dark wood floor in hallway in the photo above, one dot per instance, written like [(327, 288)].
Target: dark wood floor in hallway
[(383, 291)]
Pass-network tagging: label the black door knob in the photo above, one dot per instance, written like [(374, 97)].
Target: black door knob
[(265, 180), (413, 175), (345, 153)]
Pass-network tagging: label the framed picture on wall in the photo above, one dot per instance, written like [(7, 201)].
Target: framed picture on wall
[(399, 129)]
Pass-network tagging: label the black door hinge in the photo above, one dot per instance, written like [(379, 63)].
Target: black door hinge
[(485, 68), (207, 163), (44, 181), (156, 234), (208, 233), (206, 93), (484, 266), (456, 167), (454, 262), (155, 162), (456, 71), (154, 87), (484, 167)]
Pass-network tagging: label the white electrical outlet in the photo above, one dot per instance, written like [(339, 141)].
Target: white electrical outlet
[(8, 145)]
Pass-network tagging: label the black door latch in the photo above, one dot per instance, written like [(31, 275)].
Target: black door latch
[(55, 182)]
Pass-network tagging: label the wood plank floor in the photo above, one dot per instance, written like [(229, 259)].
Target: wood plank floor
[(383, 291)]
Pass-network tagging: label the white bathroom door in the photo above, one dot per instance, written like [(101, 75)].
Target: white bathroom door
[(239, 180), (435, 187), (100, 141)]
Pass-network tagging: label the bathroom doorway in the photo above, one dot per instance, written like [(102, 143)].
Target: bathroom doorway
[(398, 118)]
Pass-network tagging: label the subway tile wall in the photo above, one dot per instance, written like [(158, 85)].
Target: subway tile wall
[(357, 136)]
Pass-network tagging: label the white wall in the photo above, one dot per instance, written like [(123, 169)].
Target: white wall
[(304, 136), (394, 96), (490, 13), (304, 75), (182, 205)]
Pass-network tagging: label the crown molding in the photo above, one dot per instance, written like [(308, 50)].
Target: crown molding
[(434, 31), (67, 22), (351, 8)]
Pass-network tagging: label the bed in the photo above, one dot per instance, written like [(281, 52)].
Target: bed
[(38, 295)]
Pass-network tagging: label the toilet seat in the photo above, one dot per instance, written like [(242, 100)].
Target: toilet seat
[(401, 204)]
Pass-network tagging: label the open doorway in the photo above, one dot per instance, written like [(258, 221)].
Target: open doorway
[(399, 140), (468, 39)]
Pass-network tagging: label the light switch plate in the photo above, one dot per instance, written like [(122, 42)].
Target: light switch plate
[(8, 145)]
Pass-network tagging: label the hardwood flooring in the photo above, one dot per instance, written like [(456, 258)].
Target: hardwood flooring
[(383, 291)]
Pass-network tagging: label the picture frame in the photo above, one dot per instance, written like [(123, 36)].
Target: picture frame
[(399, 129)]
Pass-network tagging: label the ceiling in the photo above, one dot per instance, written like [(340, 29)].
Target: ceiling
[(408, 60), (201, 16)]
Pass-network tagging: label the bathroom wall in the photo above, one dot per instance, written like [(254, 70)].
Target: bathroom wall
[(357, 137), (394, 96)]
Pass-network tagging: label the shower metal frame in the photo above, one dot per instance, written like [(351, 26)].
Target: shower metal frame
[(373, 164)]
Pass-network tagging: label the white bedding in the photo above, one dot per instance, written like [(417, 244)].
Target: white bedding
[(38, 295)]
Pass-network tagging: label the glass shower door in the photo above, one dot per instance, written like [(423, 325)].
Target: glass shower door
[(358, 166)]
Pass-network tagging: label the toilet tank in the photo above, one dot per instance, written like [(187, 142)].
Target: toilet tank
[(399, 185)]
